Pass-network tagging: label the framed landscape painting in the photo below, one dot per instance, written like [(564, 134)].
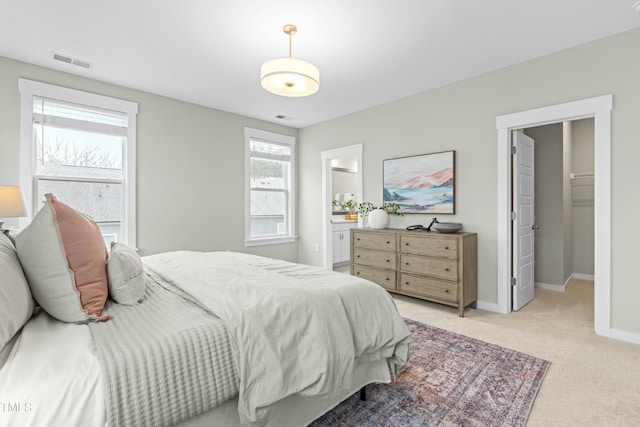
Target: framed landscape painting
[(421, 184)]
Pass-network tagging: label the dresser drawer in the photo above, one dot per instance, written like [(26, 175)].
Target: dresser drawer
[(444, 247), (432, 266), (380, 259), (384, 278), (429, 288), (435, 267), (381, 241)]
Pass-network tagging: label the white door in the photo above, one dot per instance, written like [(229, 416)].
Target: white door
[(523, 225)]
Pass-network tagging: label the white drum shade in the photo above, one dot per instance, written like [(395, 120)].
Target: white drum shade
[(290, 77)]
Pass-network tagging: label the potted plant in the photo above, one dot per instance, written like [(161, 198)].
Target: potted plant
[(378, 216), (349, 206)]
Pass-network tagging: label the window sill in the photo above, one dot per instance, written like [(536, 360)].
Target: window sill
[(270, 241)]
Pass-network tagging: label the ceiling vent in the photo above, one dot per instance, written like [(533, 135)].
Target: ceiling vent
[(69, 60)]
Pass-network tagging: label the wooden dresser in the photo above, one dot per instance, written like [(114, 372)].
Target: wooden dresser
[(432, 266)]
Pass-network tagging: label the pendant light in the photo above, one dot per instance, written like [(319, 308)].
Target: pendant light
[(290, 76)]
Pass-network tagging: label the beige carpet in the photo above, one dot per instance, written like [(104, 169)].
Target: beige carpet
[(592, 381)]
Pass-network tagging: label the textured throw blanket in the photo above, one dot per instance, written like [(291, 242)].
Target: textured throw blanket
[(164, 360), (294, 329)]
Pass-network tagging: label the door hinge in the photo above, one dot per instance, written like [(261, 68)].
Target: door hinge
[(513, 281), (513, 216), (513, 150)]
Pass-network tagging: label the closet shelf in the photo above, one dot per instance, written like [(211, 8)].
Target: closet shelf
[(582, 188)]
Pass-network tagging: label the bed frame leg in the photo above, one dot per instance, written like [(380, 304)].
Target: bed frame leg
[(363, 393)]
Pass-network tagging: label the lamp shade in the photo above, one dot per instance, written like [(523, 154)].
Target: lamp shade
[(290, 77), (11, 202)]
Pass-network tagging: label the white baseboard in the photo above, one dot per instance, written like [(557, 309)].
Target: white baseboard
[(565, 285), (583, 276), (619, 334), (489, 306), (551, 287)]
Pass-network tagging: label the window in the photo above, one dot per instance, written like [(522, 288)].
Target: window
[(80, 147), (269, 194)]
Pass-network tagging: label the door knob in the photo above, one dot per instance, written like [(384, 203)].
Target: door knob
[(535, 227)]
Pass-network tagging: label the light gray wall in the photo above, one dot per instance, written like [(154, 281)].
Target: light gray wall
[(583, 145), (190, 164), (462, 116), (583, 219), (549, 208)]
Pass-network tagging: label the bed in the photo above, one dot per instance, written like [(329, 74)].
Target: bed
[(216, 339)]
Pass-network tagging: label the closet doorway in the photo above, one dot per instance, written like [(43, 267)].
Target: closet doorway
[(564, 225), (600, 109)]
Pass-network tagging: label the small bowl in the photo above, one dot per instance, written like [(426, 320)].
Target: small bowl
[(447, 227)]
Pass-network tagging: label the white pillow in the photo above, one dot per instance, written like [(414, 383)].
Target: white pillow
[(125, 274), (16, 303), (63, 256)]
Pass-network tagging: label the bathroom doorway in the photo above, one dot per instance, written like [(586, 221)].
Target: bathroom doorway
[(334, 160)]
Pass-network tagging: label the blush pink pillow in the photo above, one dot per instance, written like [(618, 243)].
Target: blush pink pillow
[(63, 256)]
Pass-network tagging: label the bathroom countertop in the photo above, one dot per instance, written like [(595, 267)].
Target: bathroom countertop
[(343, 221)]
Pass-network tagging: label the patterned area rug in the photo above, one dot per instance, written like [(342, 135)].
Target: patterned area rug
[(450, 380)]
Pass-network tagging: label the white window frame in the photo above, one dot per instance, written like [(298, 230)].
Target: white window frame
[(249, 134), (28, 89)]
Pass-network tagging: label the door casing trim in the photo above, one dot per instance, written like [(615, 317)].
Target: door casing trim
[(600, 109), (326, 156)]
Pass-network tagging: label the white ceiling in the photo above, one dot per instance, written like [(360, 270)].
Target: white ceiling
[(369, 51)]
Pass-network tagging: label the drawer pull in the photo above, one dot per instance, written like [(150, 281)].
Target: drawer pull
[(446, 291), (406, 244), (387, 279), (406, 283), (446, 269), (406, 263), (388, 242), (358, 238), (388, 260), (446, 247), (357, 256)]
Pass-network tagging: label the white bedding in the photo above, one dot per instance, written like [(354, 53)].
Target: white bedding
[(51, 377)]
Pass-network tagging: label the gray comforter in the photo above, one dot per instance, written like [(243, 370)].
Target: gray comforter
[(295, 329)]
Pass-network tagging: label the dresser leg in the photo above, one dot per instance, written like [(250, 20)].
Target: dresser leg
[(363, 393)]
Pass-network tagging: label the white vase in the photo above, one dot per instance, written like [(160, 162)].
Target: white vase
[(378, 218)]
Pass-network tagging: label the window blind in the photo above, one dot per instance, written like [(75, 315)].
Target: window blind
[(65, 115)]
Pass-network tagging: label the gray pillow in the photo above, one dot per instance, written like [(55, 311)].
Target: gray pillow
[(125, 274), (16, 302), (63, 257)]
